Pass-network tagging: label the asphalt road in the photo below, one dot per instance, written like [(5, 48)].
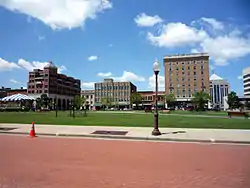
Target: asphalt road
[(44, 162)]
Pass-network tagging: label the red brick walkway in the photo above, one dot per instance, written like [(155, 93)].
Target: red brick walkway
[(72, 163)]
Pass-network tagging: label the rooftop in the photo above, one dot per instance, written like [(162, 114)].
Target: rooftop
[(50, 65), (186, 55)]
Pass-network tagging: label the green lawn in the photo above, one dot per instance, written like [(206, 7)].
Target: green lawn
[(123, 119), (209, 113)]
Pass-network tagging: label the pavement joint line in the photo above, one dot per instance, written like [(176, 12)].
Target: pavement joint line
[(132, 138)]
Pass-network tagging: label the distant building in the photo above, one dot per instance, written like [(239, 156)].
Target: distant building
[(4, 92), (186, 74), (148, 98), (60, 88), (246, 81), (219, 90), (89, 95), (118, 92)]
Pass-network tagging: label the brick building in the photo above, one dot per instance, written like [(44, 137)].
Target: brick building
[(148, 98), (60, 88), (118, 92), (186, 74), (4, 92)]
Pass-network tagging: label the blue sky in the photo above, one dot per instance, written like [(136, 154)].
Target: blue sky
[(91, 39)]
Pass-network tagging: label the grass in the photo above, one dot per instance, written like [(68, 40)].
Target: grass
[(209, 113), (123, 119)]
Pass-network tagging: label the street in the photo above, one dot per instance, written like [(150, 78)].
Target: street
[(94, 163)]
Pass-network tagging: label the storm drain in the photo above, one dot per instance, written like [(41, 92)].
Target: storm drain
[(110, 132), (6, 129)]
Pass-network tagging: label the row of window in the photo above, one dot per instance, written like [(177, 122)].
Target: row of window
[(188, 68), (183, 79), (246, 81), (184, 85), (186, 62), (112, 87), (112, 94), (183, 73), (115, 99), (246, 76)]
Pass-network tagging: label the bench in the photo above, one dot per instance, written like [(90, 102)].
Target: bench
[(241, 114)]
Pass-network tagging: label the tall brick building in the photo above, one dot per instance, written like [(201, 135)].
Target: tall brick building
[(186, 74), (59, 87)]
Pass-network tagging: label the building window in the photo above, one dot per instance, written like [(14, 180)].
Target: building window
[(177, 68), (201, 67), (194, 73), (194, 67), (201, 72), (183, 79), (183, 72), (188, 68)]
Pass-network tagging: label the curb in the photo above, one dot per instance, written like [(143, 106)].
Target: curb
[(132, 138)]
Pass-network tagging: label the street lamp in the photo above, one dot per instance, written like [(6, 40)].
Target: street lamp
[(156, 68)]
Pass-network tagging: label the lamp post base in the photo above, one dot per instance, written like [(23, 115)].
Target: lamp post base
[(156, 132)]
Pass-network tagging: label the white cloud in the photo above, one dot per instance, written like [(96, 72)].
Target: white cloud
[(88, 85), (240, 77), (143, 20), (104, 74), (92, 58), (177, 34), (214, 23), (222, 47), (15, 81), (161, 82), (29, 66), (61, 69), (7, 66), (59, 14), (130, 77)]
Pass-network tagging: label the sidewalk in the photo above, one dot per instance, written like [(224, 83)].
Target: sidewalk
[(138, 133)]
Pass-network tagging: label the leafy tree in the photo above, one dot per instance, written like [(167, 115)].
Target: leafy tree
[(38, 103), (170, 99), (79, 101), (106, 101), (136, 99), (233, 100), (44, 100), (200, 99)]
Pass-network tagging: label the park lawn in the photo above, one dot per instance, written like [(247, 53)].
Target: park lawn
[(209, 113), (123, 119)]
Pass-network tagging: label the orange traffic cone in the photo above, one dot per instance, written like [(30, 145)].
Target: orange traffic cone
[(32, 131)]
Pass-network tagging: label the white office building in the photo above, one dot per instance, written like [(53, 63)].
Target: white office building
[(219, 89), (246, 81)]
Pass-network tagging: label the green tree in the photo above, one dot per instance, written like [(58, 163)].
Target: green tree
[(106, 101), (79, 101), (233, 100), (247, 105), (136, 99), (170, 99), (44, 100), (200, 99)]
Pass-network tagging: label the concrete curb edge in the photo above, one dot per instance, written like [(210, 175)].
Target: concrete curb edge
[(131, 138)]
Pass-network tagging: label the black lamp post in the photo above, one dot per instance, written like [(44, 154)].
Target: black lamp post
[(156, 68)]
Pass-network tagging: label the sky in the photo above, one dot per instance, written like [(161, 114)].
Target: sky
[(96, 39)]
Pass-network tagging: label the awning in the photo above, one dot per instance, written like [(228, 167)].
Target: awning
[(17, 97), (97, 104)]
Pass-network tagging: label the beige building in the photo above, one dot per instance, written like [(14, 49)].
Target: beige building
[(186, 74), (89, 95), (118, 92)]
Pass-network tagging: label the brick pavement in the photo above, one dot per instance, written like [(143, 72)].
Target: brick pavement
[(91, 163)]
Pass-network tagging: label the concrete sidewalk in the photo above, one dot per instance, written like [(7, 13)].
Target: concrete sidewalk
[(139, 133)]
